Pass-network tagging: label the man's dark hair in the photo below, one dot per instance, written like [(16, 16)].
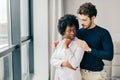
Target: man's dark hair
[(87, 9), (67, 20)]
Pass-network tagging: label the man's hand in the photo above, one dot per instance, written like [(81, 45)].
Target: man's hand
[(55, 43), (84, 45)]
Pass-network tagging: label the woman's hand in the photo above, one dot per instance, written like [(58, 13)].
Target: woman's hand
[(67, 64), (66, 43)]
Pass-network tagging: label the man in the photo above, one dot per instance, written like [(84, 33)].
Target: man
[(97, 44)]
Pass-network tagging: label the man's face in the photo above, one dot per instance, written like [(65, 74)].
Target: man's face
[(85, 21)]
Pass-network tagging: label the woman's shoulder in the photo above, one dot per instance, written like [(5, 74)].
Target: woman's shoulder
[(75, 42)]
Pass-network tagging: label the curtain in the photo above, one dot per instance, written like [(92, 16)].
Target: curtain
[(56, 10)]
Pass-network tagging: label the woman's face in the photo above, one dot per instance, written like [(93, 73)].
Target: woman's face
[(70, 32)]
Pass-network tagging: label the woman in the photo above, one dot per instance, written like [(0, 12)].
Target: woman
[(68, 54)]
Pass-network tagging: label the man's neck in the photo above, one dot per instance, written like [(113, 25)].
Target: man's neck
[(92, 26)]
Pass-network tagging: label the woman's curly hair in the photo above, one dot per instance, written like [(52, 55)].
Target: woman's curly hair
[(67, 20)]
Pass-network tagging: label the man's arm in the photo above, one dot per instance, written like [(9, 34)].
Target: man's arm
[(55, 43), (107, 51)]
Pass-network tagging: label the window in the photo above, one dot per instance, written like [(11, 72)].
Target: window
[(25, 61), (5, 61), (3, 24), (24, 17), (14, 40), (6, 68), (24, 25)]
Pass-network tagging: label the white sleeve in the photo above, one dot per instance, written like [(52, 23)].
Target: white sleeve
[(76, 56), (55, 59)]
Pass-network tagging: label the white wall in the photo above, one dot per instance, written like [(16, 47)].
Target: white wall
[(55, 12)]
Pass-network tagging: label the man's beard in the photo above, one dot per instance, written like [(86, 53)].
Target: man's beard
[(89, 25)]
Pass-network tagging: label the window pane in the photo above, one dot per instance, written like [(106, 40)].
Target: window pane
[(24, 18), (3, 23), (25, 61), (1, 69), (6, 68)]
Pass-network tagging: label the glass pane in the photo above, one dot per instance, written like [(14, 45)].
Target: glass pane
[(6, 68), (25, 61), (1, 69), (24, 18), (3, 24)]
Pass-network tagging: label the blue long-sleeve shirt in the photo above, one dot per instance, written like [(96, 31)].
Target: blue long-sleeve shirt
[(99, 40)]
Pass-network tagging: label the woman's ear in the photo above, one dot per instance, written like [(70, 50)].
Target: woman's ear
[(63, 33)]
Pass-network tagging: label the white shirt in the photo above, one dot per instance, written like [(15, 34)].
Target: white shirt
[(73, 54)]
